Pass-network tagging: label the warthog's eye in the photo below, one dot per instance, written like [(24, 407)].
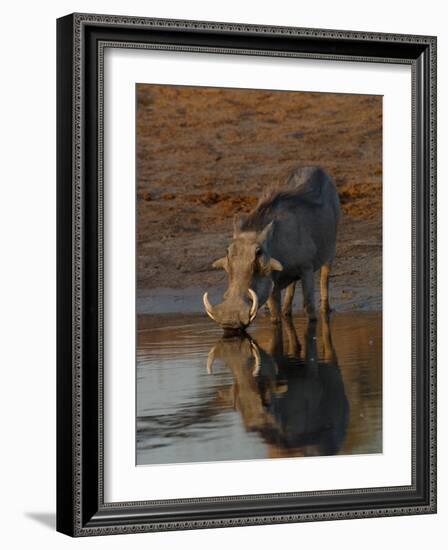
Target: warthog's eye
[(258, 251)]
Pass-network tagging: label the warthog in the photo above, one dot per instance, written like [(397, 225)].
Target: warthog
[(286, 238)]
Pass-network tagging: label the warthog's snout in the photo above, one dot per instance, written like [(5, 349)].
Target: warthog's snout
[(233, 315)]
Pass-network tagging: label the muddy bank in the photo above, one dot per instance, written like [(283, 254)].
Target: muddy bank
[(205, 154), (355, 281), (189, 300)]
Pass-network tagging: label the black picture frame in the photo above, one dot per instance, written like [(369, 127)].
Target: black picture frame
[(81, 510)]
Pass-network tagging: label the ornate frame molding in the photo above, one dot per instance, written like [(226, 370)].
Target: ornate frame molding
[(75, 502)]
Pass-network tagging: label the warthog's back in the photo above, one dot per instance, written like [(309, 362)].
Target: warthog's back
[(309, 187), (306, 213), (312, 185)]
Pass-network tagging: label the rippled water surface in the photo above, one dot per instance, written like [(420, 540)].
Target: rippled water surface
[(294, 390)]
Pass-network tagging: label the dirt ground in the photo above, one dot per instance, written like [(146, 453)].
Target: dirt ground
[(205, 154)]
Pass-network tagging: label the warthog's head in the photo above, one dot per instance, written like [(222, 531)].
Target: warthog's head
[(249, 266)]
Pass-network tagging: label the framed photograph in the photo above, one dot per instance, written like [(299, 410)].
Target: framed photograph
[(246, 274)]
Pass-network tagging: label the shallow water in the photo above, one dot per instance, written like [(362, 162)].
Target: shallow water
[(294, 390)]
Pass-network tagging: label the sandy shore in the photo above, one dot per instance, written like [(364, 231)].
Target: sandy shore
[(189, 300)]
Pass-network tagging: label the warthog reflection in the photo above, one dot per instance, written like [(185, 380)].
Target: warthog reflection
[(293, 397)]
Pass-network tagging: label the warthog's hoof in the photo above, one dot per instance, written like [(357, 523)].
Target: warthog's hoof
[(310, 312), (311, 316), (325, 308), (276, 320), (265, 309)]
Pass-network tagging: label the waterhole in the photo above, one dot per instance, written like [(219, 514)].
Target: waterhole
[(290, 390)]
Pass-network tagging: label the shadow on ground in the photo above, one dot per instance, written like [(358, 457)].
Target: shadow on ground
[(47, 519)]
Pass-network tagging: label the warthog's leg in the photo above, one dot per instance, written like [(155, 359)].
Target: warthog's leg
[(324, 285), (289, 297), (308, 293), (329, 353), (294, 347), (275, 345), (274, 304)]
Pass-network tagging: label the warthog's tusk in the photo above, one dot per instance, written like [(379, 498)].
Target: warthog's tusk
[(210, 360), (254, 308), (208, 306), (257, 358)]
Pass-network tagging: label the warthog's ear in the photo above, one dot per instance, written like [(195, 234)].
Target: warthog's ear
[(221, 263), (266, 234), (275, 265), (268, 267), (238, 221)]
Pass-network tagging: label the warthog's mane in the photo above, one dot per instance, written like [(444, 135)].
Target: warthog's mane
[(303, 187)]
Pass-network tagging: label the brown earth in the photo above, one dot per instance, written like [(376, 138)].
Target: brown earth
[(205, 154)]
